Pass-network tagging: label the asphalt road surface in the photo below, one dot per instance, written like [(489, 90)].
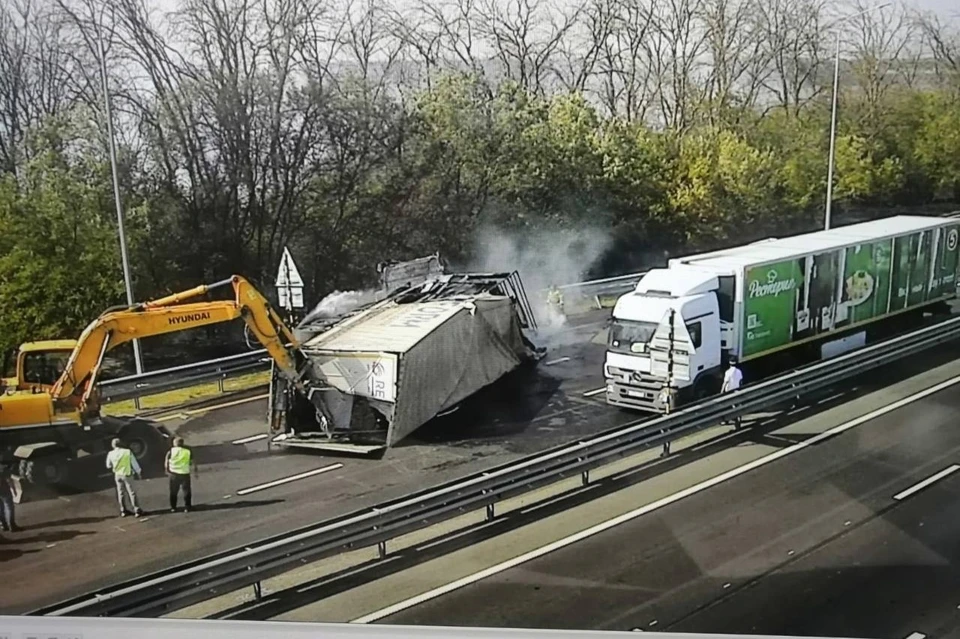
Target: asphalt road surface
[(74, 542), (857, 535)]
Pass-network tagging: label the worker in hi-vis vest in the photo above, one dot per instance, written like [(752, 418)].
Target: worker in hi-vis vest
[(124, 466), (555, 298), (179, 464)]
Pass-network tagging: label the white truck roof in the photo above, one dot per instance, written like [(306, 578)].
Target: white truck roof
[(680, 281), (734, 259)]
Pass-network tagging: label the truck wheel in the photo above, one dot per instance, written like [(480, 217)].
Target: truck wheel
[(44, 471), (704, 388)]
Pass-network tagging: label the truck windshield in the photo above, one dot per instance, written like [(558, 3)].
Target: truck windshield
[(628, 336)]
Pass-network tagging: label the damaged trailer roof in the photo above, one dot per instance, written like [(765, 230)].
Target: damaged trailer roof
[(421, 351), (395, 328)]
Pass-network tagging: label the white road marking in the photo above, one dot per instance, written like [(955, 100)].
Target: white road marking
[(926, 482), (595, 392), (236, 402), (916, 635), (643, 510), (252, 438), (556, 361), (167, 418), (287, 480), (206, 409)]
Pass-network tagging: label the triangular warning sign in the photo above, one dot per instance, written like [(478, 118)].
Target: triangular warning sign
[(288, 276)]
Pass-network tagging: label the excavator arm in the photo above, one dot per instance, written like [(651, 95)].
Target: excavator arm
[(171, 314)]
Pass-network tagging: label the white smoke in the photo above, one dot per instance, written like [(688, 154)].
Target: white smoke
[(340, 302), (542, 258)]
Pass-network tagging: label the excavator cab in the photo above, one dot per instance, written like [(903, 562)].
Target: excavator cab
[(36, 366), (42, 366)]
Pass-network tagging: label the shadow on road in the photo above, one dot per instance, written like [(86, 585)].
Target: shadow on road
[(230, 505), (9, 554), (74, 521), (219, 453), (48, 537)]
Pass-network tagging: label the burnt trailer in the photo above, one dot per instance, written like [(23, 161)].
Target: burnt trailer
[(394, 364)]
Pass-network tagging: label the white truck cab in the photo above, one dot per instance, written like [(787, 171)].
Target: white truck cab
[(666, 334)]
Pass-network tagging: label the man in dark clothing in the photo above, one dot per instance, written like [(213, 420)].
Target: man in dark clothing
[(7, 507)]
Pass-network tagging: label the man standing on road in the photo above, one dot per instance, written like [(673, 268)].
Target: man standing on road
[(179, 464), (732, 379), (124, 465), (7, 508), (555, 298)]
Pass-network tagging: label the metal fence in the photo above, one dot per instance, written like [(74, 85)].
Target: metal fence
[(200, 580), (219, 370)]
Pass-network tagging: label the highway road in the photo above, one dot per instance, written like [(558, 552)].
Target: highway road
[(852, 532), (73, 543), (813, 542)]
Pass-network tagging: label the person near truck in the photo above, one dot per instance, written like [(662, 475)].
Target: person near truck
[(179, 464), (732, 380), (555, 298), (8, 522), (124, 465)]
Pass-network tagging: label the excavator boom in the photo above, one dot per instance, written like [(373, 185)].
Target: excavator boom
[(171, 314)]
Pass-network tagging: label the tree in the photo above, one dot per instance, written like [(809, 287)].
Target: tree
[(59, 254)]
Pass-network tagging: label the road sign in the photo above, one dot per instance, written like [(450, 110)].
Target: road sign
[(289, 283)]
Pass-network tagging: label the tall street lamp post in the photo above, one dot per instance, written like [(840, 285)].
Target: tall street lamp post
[(137, 357), (833, 114)]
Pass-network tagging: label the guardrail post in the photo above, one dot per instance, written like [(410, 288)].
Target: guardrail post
[(585, 477), (257, 591), (220, 383), (382, 549), (491, 512), (136, 403)]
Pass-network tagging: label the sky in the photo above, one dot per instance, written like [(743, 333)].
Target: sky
[(945, 8)]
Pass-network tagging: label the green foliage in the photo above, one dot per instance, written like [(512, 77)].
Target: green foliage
[(59, 255), (723, 185), (349, 177), (937, 148)]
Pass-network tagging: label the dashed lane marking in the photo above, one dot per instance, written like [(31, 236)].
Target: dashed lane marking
[(287, 480), (926, 482)]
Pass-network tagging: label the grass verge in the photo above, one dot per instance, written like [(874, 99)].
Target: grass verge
[(173, 398)]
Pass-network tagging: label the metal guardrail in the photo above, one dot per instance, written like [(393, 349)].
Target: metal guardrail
[(137, 386), (200, 580)]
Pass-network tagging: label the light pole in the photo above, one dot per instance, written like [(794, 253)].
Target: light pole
[(833, 113), (138, 361)]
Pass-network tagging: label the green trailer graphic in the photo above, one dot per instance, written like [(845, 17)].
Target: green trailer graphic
[(801, 298)]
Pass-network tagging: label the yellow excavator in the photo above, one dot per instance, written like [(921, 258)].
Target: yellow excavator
[(48, 429)]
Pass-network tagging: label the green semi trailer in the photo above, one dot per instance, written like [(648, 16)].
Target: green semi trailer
[(776, 301)]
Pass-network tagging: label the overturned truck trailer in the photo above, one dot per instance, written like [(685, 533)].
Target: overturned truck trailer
[(394, 364)]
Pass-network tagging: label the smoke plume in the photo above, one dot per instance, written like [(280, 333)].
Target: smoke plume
[(542, 258), (339, 302)]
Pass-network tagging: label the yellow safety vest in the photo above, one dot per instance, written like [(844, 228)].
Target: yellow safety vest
[(122, 464), (179, 461)]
